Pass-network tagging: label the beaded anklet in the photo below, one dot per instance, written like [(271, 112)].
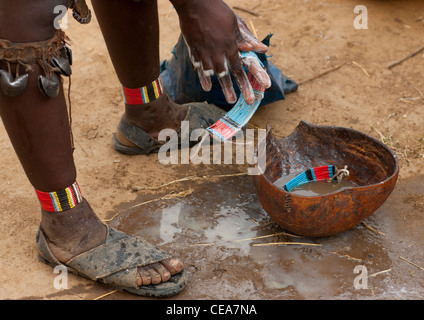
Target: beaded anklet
[(145, 94), (62, 200)]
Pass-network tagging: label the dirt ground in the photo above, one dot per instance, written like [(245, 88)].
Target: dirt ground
[(310, 37)]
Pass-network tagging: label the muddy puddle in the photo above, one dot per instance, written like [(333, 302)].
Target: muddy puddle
[(215, 230)]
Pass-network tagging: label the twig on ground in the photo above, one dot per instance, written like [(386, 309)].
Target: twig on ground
[(372, 229), (168, 196), (382, 137), (262, 226), (342, 255), (201, 244), (410, 262), (137, 188), (252, 26), (267, 236), (395, 63), (420, 92), (253, 13), (105, 295), (286, 243), (363, 69), (409, 100), (377, 273), (321, 74)]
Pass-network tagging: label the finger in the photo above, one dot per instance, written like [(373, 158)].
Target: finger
[(242, 36), (244, 86), (246, 41), (206, 62), (254, 66), (223, 73), (205, 72), (240, 76), (195, 59), (221, 65), (227, 88), (194, 55), (205, 81), (243, 45), (250, 43)]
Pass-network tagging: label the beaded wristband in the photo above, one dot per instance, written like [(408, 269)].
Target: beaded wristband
[(58, 201)]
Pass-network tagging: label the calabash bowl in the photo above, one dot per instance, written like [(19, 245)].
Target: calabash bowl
[(373, 168)]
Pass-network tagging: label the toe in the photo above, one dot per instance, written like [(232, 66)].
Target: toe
[(156, 278), (164, 273), (158, 272), (143, 278), (173, 265)]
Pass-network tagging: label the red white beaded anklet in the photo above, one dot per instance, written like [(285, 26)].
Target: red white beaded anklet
[(145, 94), (58, 201)]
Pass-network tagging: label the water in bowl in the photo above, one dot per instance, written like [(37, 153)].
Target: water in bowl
[(314, 188)]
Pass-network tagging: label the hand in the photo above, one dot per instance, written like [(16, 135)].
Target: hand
[(215, 36)]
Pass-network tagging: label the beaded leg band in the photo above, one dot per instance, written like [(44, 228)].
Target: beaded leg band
[(145, 94), (62, 200)]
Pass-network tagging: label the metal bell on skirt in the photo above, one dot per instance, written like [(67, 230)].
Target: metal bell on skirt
[(10, 86), (49, 87)]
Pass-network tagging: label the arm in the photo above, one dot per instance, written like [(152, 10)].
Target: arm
[(214, 36)]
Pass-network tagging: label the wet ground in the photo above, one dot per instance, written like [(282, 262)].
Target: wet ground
[(211, 230)]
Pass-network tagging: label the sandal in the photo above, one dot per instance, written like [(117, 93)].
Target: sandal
[(115, 263), (199, 115)]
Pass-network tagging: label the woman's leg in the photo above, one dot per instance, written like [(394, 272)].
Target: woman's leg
[(131, 32), (39, 130)]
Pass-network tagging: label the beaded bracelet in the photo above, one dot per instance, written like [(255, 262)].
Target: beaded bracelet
[(313, 174)]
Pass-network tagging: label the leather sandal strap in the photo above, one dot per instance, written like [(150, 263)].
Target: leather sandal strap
[(114, 262), (136, 135), (120, 252)]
